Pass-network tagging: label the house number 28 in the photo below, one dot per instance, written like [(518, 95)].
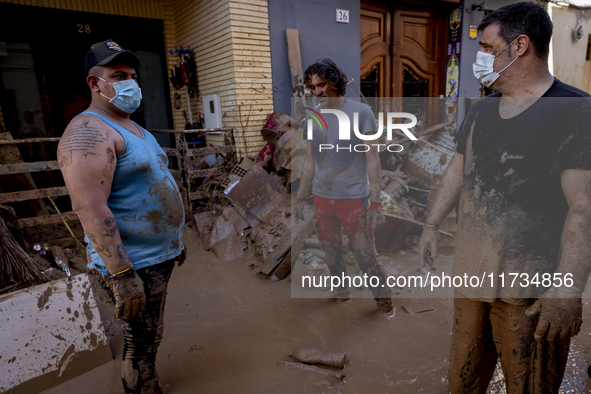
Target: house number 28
[(83, 28)]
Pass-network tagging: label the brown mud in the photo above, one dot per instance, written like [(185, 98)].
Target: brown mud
[(226, 329)]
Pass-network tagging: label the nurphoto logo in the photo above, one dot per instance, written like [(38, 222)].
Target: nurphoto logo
[(345, 129)]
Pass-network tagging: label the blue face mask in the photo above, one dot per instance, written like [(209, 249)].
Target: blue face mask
[(128, 95)]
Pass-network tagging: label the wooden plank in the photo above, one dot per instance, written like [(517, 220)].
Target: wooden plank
[(66, 242), (283, 269), (45, 220), (181, 144), (19, 168), (29, 141), (295, 68), (209, 172), (192, 131), (176, 173), (11, 156), (33, 194), (211, 150)]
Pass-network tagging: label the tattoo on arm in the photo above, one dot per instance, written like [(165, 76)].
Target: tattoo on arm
[(81, 138), (110, 222), (124, 260)]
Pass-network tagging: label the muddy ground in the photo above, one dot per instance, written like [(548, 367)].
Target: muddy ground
[(226, 328)]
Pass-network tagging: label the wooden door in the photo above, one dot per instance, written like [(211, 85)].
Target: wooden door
[(376, 37), (402, 50), (417, 55)]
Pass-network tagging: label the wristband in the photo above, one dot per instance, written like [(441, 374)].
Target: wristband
[(375, 206), (299, 200), (122, 272), (431, 225)]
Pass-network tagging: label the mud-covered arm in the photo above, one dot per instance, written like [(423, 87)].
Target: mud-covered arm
[(560, 309), (307, 172), (448, 193), (373, 173), (87, 160), (575, 256)]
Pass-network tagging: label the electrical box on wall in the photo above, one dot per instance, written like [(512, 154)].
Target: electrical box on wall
[(212, 111)]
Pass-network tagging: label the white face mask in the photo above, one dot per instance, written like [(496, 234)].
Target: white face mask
[(483, 67)]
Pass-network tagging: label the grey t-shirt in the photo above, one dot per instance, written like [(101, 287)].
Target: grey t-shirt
[(341, 174)]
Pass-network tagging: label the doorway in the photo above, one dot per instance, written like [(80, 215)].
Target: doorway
[(403, 50), (42, 79)]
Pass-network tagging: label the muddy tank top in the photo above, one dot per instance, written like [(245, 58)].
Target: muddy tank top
[(145, 202)]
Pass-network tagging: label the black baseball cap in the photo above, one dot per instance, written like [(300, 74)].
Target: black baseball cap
[(108, 52)]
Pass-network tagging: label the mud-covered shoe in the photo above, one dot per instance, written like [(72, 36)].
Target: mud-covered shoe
[(385, 307)]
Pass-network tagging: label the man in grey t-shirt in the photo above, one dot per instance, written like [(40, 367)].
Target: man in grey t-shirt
[(339, 170)]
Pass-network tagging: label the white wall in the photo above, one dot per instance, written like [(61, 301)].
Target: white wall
[(567, 58)]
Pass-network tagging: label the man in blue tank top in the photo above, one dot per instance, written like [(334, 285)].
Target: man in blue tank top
[(129, 206)]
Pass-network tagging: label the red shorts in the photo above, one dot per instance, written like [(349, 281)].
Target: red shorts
[(330, 215)]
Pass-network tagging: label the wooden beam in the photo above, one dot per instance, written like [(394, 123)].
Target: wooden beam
[(29, 141), (33, 194), (295, 62), (210, 150), (45, 220), (295, 68), (209, 172), (19, 168), (175, 173), (66, 242), (10, 155), (192, 131)]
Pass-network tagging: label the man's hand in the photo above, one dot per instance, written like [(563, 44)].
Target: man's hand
[(559, 317), (182, 257), (128, 290), (298, 210), (374, 216), (429, 244)]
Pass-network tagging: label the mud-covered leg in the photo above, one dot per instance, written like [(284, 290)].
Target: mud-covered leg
[(328, 230), (336, 265), (362, 242), (142, 334), (473, 355), (529, 366)]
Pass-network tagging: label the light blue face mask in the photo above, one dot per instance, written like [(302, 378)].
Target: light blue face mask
[(128, 95)]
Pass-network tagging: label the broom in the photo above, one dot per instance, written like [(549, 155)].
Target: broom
[(15, 264)]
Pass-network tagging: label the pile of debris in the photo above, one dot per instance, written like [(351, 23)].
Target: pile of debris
[(252, 208)]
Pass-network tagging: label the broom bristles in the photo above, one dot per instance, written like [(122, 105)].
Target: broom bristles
[(15, 264)]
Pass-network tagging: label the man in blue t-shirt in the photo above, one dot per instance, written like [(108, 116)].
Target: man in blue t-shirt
[(128, 204)]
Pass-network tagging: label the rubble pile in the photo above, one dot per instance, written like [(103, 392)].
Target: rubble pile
[(251, 212)]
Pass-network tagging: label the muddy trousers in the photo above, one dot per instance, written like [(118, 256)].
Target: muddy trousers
[(329, 216), (142, 334), (484, 332)]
